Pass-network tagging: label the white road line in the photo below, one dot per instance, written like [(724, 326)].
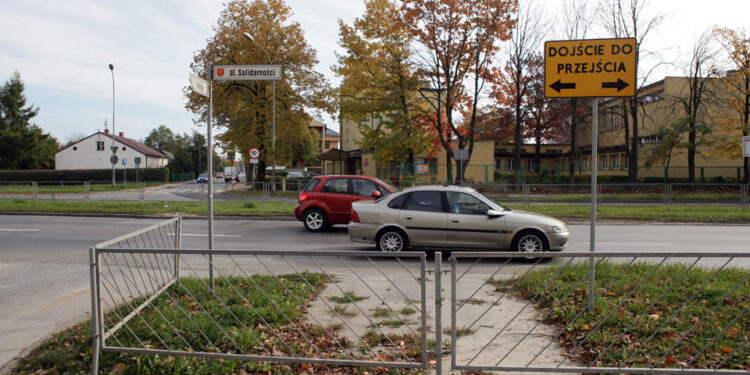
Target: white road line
[(206, 235), (18, 230), (631, 243)]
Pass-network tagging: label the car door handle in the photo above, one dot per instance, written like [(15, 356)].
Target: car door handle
[(408, 218), (455, 220)]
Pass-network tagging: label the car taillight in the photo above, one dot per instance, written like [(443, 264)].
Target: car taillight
[(355, 217), (302, 196)]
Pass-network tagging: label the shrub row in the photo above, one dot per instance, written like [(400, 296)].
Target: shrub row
[(144, 174)]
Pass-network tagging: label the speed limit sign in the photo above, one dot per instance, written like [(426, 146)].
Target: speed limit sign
[(254, 153)]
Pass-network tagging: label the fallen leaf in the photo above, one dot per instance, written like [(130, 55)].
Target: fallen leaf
[(733, 331), (726, 350), (654, 316)]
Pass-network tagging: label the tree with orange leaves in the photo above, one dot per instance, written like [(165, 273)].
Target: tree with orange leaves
[(457, 41)]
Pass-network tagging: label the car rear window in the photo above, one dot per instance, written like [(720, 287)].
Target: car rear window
[(397, 202), (311, 185)]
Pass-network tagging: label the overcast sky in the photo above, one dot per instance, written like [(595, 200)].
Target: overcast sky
[(62, 49)]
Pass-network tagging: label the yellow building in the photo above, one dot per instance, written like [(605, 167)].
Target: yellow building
[(660, 106)]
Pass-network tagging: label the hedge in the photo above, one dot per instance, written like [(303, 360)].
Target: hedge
[(75, 175)]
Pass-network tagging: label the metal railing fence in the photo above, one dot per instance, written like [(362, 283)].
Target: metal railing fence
[(654, 313), (300, 307)]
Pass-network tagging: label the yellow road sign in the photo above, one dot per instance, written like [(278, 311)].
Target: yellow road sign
[(590, 68)]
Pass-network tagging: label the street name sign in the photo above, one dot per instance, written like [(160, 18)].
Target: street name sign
[(199, 85), (590, 68), (247, 72), (746, 146)]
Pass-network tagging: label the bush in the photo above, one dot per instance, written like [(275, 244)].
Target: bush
[(76, 175)]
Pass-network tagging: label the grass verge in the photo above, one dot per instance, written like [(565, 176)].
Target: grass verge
[(248, 208), (647, 315), (257, 315)]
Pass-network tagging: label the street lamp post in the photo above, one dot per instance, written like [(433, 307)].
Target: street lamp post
[(273, 114), (114, 149)]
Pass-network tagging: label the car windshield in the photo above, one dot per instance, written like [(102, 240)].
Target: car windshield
[(494, 205), (203, 176)]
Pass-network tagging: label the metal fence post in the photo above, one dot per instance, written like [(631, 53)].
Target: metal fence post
[(177, 246), (438, 313), (667, 193), (34, 190), (96, 335), (453, 311)]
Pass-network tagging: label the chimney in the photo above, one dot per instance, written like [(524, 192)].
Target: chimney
[(106, 131), (122, 134)]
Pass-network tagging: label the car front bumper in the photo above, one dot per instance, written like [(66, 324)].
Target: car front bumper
[(558, 240)]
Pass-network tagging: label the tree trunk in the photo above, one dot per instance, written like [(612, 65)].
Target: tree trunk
[(573, 145), (538, 154), (633, 163), (691, 151), (448, 168)]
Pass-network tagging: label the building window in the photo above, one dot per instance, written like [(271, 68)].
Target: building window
[(123, 148), (426, 166), (498, 164), (603, 162), (614, 121), (564, 164), (586, 162), (624, 162), (652, 139), (99, 145), (75, 148), (508, 164), (328, 144), (614, 162)]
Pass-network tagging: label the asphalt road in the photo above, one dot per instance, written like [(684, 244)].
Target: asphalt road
[(44, 279)]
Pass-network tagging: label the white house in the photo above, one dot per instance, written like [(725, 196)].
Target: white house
[(94, 152)]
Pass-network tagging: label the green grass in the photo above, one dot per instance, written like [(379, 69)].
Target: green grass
[(624, 319), (249, 208), (653, 197), (348, 297), (408, 311), (69, 352), (381, 312), (565, 211)]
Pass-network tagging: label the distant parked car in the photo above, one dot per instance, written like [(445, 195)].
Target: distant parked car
[(452, 217), (327, 200), (295, 174), (220, 175), (202, 179)]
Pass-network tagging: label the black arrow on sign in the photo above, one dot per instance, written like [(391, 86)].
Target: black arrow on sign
[(619, 85), (557, 86)]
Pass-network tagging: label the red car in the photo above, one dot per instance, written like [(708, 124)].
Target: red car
[(327, 200)]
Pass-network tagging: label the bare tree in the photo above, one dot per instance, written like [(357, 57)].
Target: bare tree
[(513, 84), (626, 19), (699, 72), (73, 138), (577, 21)]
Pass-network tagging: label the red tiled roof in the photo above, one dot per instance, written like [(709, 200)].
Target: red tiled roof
[(135, 145)]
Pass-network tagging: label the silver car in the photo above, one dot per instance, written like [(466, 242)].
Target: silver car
[(452, 217)]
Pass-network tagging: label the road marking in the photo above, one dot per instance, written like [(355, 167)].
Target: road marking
[(18, 230), (206, 235), (632, 243)]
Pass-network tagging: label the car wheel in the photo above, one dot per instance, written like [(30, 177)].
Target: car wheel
[(530, 242), (315, 220), (392, 240)]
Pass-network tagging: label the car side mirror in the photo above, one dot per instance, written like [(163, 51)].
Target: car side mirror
[(376, 194), (493, 213)]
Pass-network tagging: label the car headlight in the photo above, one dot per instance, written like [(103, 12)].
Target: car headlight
[(559, 228)]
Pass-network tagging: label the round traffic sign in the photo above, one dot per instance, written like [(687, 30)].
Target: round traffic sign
[(254, 153), (124, 161), (113, 159)]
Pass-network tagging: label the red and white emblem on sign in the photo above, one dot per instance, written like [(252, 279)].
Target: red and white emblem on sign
[(220, 72)]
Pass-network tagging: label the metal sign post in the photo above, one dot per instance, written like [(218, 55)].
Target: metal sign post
[(205, 88), (591, 68)]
